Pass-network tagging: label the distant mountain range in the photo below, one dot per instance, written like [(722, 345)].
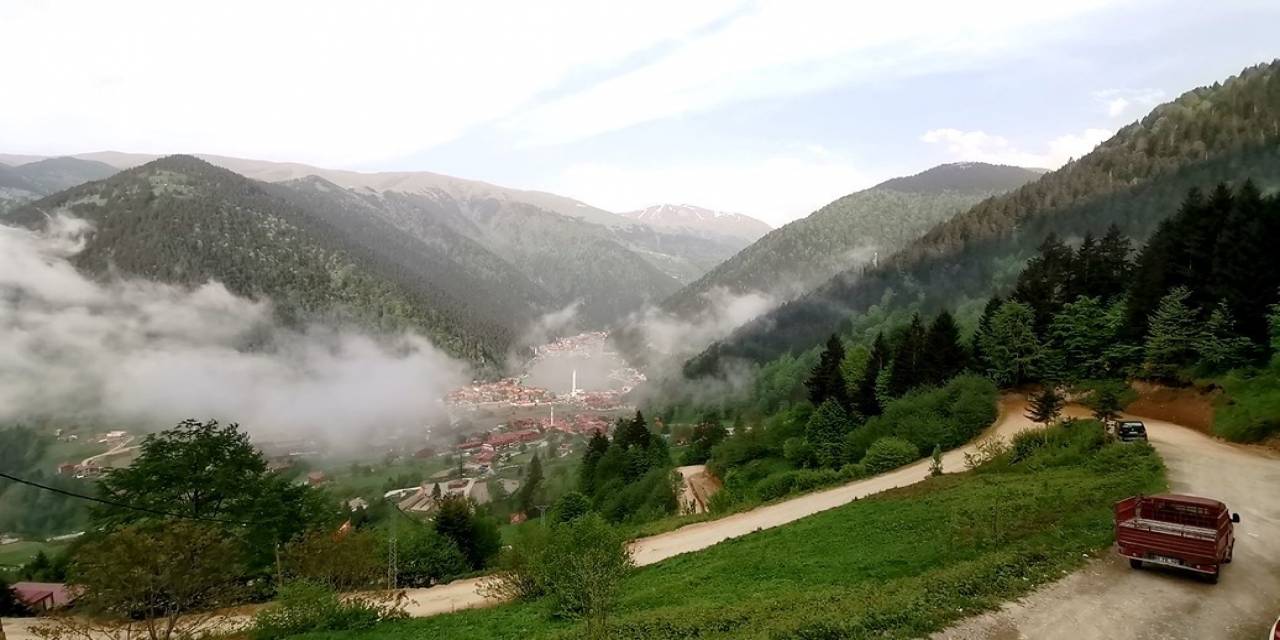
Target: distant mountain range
[(699, 219), (1225, 132), (29, 179), (851, 231)]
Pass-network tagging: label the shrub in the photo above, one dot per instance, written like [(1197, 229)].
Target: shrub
[(852, 471), (304, 606), (424, 557), (889, 453), (1250, 409), (776, 485), (570, 506), (809, 479)]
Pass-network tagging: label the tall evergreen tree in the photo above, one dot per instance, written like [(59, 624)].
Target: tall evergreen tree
[(1086, 269), (1014, 352), (633, 433), (827, 380), (1243, 264), (596, 448), (1043, 284), (1114, 266), (1173, 335), (868, 402), (1045, 406), (1220, 346), (826, 431), (908, 359), (944, 356), (531, 490), (984, 325)]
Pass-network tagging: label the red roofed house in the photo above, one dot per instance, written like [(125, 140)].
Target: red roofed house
[(43, 596)]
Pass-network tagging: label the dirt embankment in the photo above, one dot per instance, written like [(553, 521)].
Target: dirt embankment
[(1191, 407)]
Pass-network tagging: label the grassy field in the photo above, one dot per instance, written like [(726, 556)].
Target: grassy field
[(898, 565), (1249, 410), (16, 554)]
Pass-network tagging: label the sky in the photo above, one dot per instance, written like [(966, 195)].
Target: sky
[(766, 108)]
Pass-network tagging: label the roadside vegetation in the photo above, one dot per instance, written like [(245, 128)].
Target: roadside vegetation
[(925, 555)]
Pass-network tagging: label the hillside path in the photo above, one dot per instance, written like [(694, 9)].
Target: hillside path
[(1108, 599)]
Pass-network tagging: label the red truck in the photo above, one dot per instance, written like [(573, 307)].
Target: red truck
[(1186, 532)]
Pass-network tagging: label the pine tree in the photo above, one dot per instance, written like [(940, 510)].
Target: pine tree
[(1043, 284), (1219, 346), (1045, 407), (908, 359), (1241, 276), (826, 433), (435, 492), (984, 325), (596, 448), (1106, 404), (532, 487), (1114, 266), (944, 356), (633, 433), (868, 403), (1086, 269), (826, 380), (1014, 352), (1173, 335)]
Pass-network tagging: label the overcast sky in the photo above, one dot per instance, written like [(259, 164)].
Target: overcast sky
[(770, 109)]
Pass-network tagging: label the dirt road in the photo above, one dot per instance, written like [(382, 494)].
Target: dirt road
[(1107, 599)]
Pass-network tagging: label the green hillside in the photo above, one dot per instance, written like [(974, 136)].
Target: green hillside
[(851, 231), (1225, 132), (181, 220)]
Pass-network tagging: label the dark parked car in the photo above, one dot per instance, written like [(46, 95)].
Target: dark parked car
[(1131, 430)]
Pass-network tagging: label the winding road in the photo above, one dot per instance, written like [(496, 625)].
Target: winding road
[(1106, 599)]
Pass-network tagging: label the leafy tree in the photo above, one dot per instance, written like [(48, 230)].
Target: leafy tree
[(596, 448), (170, 577), (585, 564), (707, 434), (476, 536), (1085, 339), (425, 558), (1106, 404), (827, 379), (1046, 406), (1173, 335), (944, 356), (1011, 347), (868, 402), (633, 433), (531, 490), (826, 433), (344, 561), (570, 506), (212, 471)]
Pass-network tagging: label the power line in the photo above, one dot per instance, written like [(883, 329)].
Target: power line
[(121, 505)]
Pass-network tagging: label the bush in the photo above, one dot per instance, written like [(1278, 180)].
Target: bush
[(424, 557), (889, 453), (852, 472), (810, 479), (570, 506), (1250, 407), (304, 607), (342, 563), (776, 485)]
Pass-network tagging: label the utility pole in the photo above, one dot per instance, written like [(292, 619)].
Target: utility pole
[(392, 552), (542, 512)]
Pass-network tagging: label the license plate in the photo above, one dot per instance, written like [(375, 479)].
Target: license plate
[(1165, 560)]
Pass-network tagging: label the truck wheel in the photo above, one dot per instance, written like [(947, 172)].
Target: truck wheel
[(1231, 552), (1135, 563), (1211, 578)]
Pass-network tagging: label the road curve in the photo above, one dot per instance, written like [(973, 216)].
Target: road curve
[(1107, 599), (462, 594)]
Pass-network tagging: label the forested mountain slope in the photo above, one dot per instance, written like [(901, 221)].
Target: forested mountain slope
[(851, 231), (537, 259), (31, 180), (682, 254), (1224, 132), (183, 221)]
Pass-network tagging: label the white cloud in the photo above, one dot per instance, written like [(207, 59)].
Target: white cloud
[(788, 48), (313, 81), (980, 146), (1119, 102), (776, 189)]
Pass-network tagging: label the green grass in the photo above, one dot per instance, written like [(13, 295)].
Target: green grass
[(18, 553), (899, 565), (1249, 410)]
